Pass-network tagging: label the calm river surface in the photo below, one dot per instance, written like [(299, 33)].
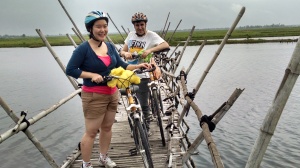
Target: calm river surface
[(33, 81)]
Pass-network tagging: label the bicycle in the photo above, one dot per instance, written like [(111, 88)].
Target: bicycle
[(135, 118), (155, 100)]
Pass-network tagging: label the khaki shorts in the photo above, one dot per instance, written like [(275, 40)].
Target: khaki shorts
[(95, 105)]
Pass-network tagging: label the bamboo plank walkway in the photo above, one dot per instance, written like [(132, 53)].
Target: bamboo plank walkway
[(122, 143)]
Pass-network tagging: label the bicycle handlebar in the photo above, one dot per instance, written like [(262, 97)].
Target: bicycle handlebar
[(136, 71)]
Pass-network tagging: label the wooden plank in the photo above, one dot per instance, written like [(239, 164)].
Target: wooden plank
[(122, 142)]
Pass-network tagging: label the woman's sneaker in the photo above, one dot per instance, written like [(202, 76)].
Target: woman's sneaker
[(87, 166), (107, 162)]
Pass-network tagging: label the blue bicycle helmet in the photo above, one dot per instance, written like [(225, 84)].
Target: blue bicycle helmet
[(94, 16)]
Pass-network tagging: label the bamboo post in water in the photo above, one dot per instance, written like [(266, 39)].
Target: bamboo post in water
[(165, 33), (185, 45), (72, 41), (37, 117), (216, 158), (115, 26), (70, 19), (162, 33), (78, 35), (187, 106), (228, 34), (30, 136), (220, 113), (169, 39), (195, 57), (75, 85), (124, 30), (270, 122)]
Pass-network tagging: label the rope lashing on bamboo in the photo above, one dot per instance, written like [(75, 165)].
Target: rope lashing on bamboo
[(168, 112), (182, 73), (207, 120), (191, 95), (169, 126), (23, 116), (296, 72)]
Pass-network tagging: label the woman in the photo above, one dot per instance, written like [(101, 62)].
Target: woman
[(91, 61)]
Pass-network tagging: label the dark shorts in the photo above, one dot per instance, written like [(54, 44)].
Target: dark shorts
[(95, 105)]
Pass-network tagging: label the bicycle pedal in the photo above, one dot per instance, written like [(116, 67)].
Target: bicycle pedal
[(133, 152), (168, 113)]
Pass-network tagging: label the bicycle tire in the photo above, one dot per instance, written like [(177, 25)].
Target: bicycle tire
[(134, 133), (143, 144), (151, 105), (159, 120), (160, 102)]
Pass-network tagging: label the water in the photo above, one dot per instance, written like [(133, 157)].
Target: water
[(33, 81)]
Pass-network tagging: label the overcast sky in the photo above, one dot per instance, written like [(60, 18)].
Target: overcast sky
[(19, 17)]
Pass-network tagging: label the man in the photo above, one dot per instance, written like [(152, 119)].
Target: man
[(147, 42)]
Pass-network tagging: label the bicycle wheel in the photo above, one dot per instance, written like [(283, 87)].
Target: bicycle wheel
[(151, 105), (134, 135), (158, 112), (160, 102), (143, 144)]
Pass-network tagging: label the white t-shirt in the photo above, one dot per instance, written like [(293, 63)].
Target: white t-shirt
[(136, 44)]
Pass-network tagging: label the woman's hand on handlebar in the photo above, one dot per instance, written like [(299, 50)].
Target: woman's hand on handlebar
[(97, 78)]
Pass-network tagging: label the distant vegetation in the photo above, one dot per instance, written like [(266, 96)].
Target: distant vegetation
[(214, 36)]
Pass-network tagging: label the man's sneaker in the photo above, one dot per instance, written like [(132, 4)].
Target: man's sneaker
[(87, 166), (131, 133), (107, 162), (149, 118)]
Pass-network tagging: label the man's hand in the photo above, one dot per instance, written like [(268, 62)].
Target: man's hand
[(145, 53), (157, 72), (127, 55)]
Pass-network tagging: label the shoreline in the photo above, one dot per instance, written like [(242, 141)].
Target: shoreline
[(181, 43)]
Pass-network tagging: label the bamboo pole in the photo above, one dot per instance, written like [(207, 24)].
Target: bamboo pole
[(70, 19), (29, 135), (228, 34), (124, 30), (69, 162), (39, 116), (270, 122), (169, 39), (220, 113), (174, 51), (115, 26), (195, 57), (187, 106), (75, 85), (183, 49), (72, 41), (78, 35), (162, 33), (216, 158), (165, 33)]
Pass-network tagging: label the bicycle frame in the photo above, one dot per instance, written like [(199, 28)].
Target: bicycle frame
[(156, 104), (137, 125)]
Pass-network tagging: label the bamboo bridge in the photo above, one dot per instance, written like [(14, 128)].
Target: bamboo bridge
[(179, 148)]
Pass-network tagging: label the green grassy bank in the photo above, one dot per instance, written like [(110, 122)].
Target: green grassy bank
[(213, 35)]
